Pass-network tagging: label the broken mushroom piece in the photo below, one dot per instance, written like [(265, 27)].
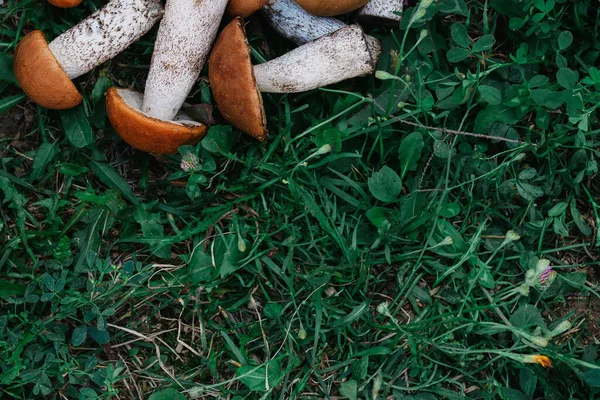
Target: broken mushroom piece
[(381, 12), (236, 84), (65, 3), (330, 8), (294, 23), (44, 71), (144, 132), (244, 8), (184, 38)]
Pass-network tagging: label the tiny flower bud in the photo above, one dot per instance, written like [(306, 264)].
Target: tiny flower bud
[(561, 328), (447, 241), (382, 308), (512, 236), (424, 33), (189, 162), (302, 334), (241, 245), (384, 75), (425, 4), (326, 148), (542, 265), (419, 14)]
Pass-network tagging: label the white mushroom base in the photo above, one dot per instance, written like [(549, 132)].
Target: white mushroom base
[(341, 55)]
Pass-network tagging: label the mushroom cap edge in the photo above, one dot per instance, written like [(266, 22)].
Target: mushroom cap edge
[(244, 8), (41, 76), (233, 84), (331, 8), (65, 3), (143, 132)]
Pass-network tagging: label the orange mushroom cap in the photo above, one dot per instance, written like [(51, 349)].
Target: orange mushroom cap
[(331, 8), (233, 83), (145, 133), (41, 76), (65, 3), (244, 8)]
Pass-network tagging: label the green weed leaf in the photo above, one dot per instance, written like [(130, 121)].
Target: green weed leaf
[(385, 185), (167, 394), (77, 127)]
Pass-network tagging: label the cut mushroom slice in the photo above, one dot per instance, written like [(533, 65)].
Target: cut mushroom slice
[(294, 23), (236, 84), (382, 12), (331, 8), (44, 70), (184, 39), (144, 132), (244, 8), (65, 3)]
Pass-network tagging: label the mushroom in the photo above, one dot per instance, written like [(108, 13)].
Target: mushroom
[(330, 8), (236, 84), (44, 70), (294, 23), (244, 8), (184, 38), (154, 123), (144, 132), (382, 12), (65, 3)]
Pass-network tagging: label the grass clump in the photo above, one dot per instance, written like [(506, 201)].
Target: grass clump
[(428, 233)]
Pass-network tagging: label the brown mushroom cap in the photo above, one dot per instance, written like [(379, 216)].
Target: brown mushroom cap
[(65, 3), (330, 8), (233, 84), (244, 8), (145, 133), (41, 76)]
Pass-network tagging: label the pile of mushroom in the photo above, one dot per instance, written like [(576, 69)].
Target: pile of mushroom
[(329, 52)]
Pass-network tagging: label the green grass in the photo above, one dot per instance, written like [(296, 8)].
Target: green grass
[(370, 249)]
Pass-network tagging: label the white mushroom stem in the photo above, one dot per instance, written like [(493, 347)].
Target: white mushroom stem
[(382, 11), (184, 39), (333, 58), (292, 22), (104, 34)]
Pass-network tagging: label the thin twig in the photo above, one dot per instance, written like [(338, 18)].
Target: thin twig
[(463, 133)]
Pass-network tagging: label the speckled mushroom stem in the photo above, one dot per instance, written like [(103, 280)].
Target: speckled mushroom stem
[(292, 22), (104, 34), (338, 56), (184, 39), (381, 11)]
